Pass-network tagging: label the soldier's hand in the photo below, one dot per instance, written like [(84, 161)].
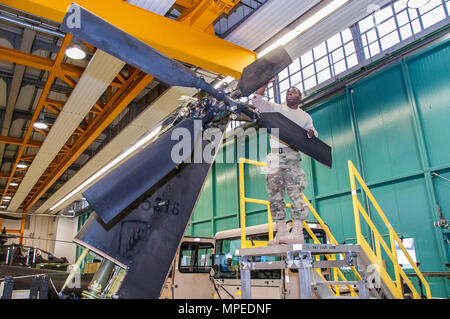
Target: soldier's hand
[(310, 133)]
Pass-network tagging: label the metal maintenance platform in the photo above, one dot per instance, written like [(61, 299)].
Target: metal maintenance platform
[(300, 257)]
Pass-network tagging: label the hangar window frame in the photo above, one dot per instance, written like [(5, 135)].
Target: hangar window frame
[(360, 53)]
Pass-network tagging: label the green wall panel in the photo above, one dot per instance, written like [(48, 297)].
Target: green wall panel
[(337, 213), (205, 208), (332, 121), (442, 186), (405, 204), (226, 223), (388, 144), (430, 76)]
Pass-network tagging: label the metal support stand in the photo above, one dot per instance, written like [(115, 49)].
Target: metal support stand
[(43, 291), (246, 278), (34, 287), (304, 266), (8, 287), (300, 257)]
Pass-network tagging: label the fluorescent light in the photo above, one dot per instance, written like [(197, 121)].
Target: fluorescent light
[(22, 166), (416, 4), (75, 52), (110, 165), (227, 80), (5, 200), (40, 125), (2, 206), (13, 184), (7, 197), (305, 25)]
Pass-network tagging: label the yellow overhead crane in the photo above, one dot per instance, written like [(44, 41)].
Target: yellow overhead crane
[(184, 40), (190, 39)]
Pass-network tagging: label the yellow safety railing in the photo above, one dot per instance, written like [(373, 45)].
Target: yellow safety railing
[(376, 257), (337, 273)]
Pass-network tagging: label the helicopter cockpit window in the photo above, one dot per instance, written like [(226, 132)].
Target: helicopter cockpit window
[(195, 257)]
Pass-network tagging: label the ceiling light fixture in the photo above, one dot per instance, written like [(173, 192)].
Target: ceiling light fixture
[(109, 166), (416, 4), (305, 25), (7, 197), (13, 184), (22, 166), (75, 52), (40, 123)]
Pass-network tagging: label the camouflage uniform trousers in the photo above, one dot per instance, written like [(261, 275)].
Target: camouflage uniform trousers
[(285, 173)]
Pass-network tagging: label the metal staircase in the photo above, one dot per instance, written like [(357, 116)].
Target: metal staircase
[(370, 279)]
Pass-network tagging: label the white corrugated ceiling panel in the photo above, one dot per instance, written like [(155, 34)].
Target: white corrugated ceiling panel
[(100, 72), (151, 116), (348, 15), (267, 21), (157, 6)]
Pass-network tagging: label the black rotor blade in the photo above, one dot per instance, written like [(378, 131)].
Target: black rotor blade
[(147, 239), (258, 73), (105, 36), (296, 137), (123, 185)]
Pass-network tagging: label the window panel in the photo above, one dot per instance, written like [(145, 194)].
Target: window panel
[(433, 17), (347, 35), (405, 32), (295, 66), (320, 51), (308, 71), (366, 52), (374, 49), (412, 13), (307, 59), (416, 26), (283, 97), (364, 40), (339, 67), (296, 78), (389, 40), (366, 24), (322, 64), (400, 5), (372, 36), (349, 48), (352, 60), (284, 85), (334, 42), (338, 55), (323, 75), (383, 14), (310, 83), (429, 6), (283, 74), (387, 27), (402, 18)]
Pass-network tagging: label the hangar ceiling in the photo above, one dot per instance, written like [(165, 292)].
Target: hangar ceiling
[(98, 106)]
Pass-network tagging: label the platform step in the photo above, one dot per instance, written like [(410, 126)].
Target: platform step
[(333, 283)]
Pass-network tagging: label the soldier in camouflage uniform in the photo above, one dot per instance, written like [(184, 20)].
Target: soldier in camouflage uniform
[(284, 171)]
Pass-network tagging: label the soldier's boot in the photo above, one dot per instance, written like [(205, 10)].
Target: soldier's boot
[(282, 232), (296, 235)]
